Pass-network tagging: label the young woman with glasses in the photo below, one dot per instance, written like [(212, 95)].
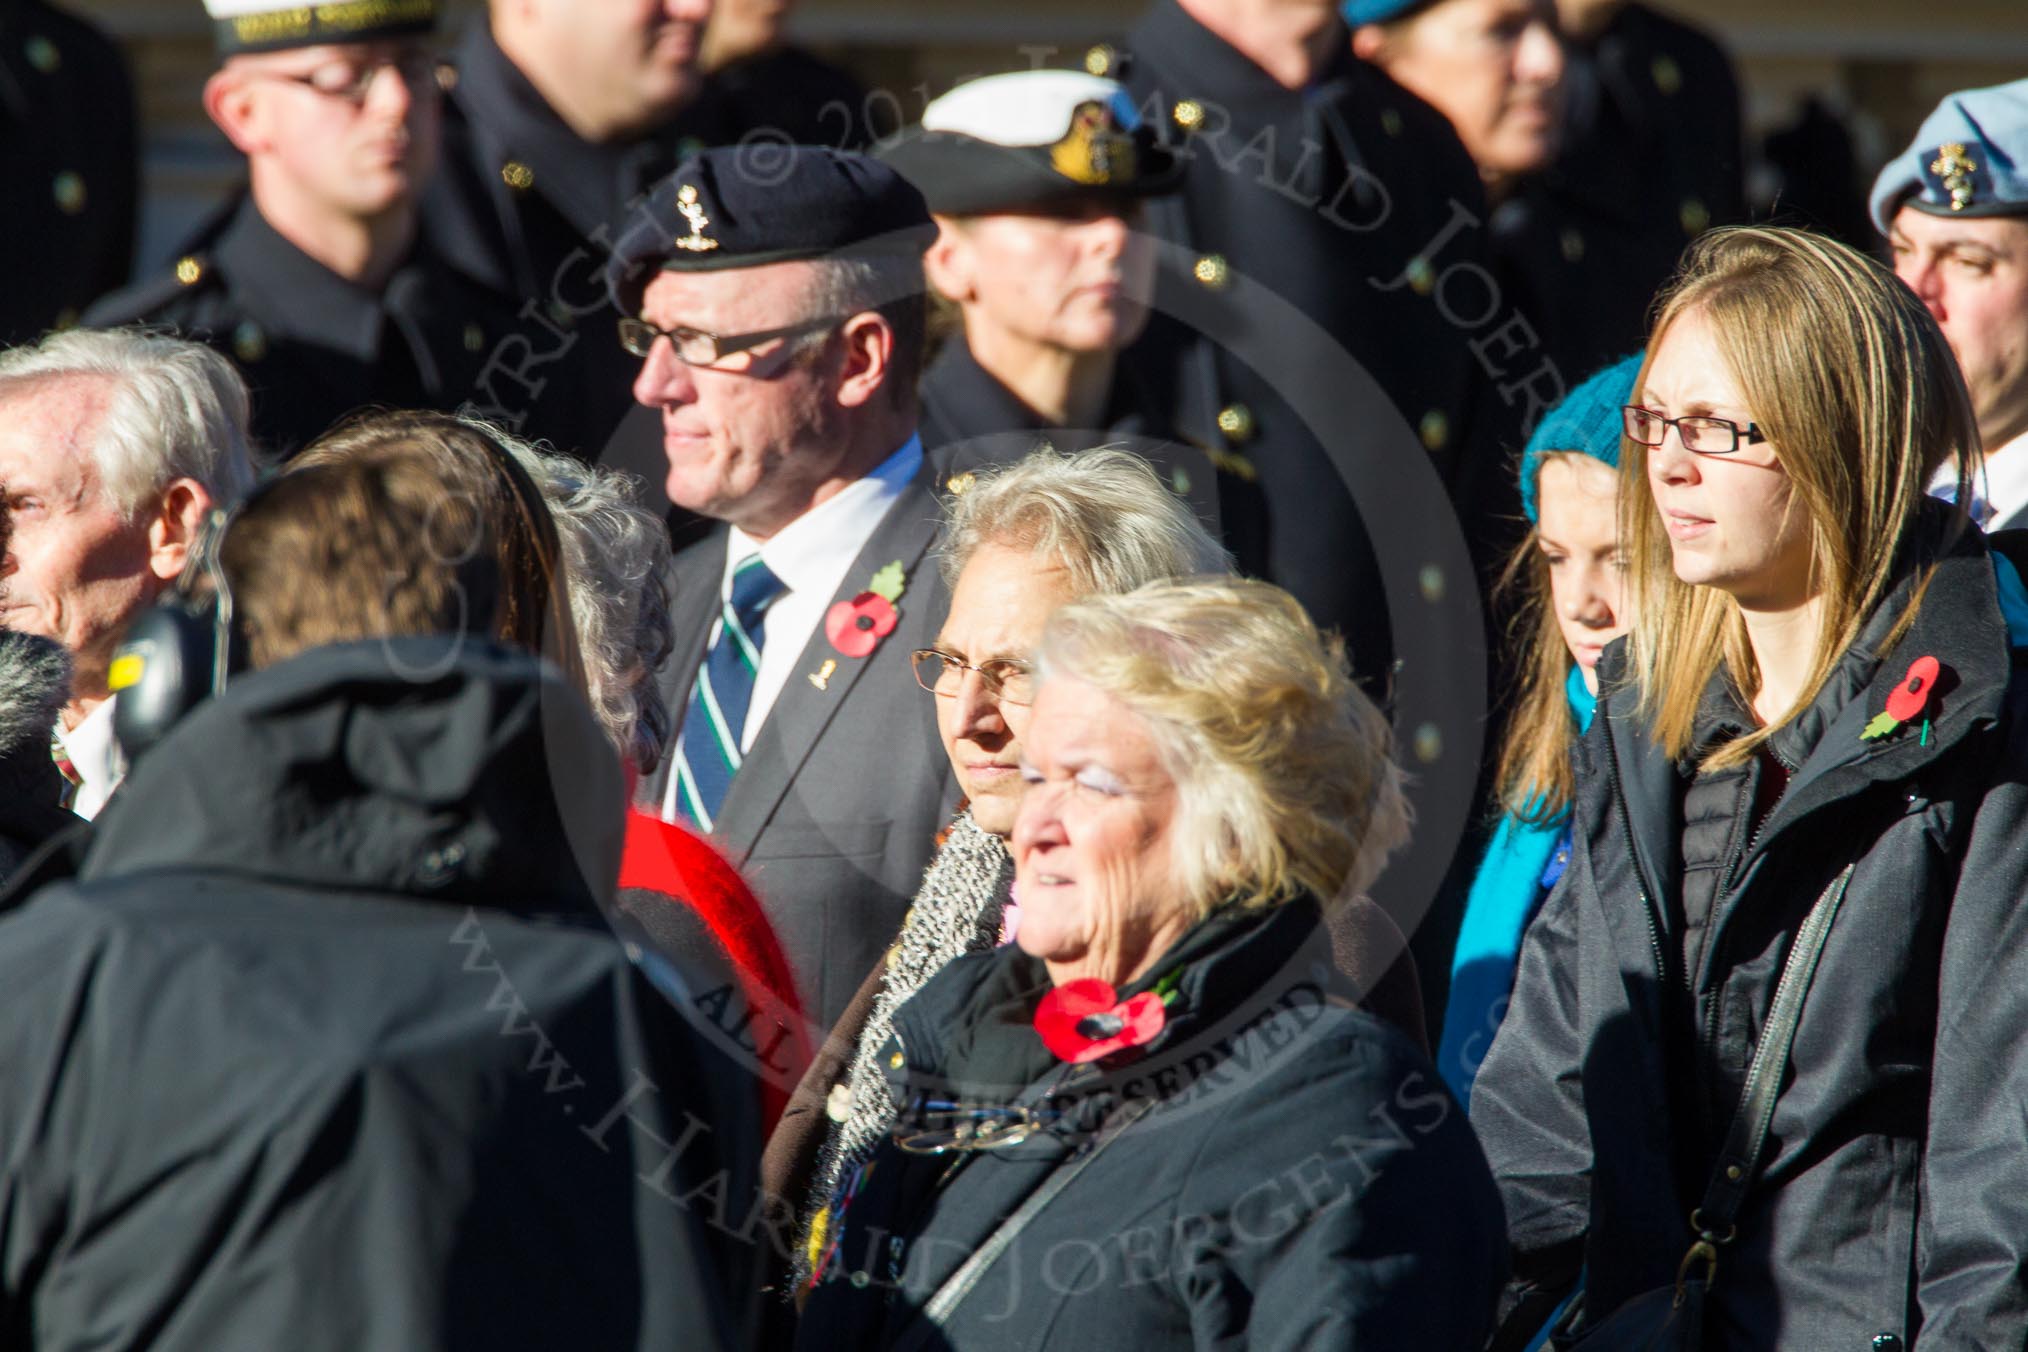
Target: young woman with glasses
[(1816, 733)]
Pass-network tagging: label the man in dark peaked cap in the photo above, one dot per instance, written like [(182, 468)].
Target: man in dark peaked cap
[(316, 284), (68, 160), (1038, 180), (778, 319)]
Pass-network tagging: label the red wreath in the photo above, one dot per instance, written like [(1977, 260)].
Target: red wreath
[(1084, 1020), (856, 627)]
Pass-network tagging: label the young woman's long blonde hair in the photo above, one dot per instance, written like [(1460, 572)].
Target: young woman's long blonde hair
[(1851, 379)]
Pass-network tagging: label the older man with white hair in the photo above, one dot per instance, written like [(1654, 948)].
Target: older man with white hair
[(113, 449)]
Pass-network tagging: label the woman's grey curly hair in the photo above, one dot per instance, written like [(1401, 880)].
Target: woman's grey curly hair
[(615, 562)]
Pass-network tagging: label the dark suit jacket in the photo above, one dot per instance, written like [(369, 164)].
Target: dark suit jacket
[(835, 811)]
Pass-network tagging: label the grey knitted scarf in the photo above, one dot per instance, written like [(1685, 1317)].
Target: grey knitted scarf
[(957, 911)]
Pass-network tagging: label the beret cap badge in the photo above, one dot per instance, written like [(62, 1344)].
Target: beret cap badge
[(1956, 168), (693, 215)]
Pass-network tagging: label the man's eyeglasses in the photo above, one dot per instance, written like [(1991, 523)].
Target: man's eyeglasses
[(941, 674), (352, 80), (1705, 436), (695, 347)]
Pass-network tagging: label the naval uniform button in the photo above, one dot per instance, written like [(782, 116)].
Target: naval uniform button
[(1572, 243), (1668, 75), (861, 1279), (895, 1060), (1435, 430), (1212, 271), (1694, 215), (1187, 114), (1886, 1342), (248, 342), (1429, 743), (68, 188), (1236, 422), (188, 270), (517, 176), (42, 54), (957, 484), (1421, 276), (447, 76), (475, 338), (1390, 121), (1099, 59), (561, 315)]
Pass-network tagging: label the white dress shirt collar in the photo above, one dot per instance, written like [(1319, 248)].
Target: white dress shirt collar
[(95, 758)]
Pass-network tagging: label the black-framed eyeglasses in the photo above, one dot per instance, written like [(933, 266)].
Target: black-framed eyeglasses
[(1704, 435), (352, 80), (942, 674), (695, 347)]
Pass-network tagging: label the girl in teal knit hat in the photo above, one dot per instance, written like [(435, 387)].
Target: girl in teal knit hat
[(1566, 575)]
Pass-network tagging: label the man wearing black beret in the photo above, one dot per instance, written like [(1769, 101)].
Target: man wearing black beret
[(776, 303)]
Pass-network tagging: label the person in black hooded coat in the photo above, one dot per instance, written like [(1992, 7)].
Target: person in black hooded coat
[(328, 1045), (1722, 788)]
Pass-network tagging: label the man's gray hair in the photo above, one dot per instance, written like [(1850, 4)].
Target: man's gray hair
[(615, 569), (1103, 513), (891, 283), (179, 410)]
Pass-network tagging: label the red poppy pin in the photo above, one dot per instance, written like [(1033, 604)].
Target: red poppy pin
[(1084, 1020), (855, 627), (1910, 701)]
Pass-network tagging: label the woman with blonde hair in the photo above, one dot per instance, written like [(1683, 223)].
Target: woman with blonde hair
[(1157, 1120), (1565, 578), (1762, 1074)]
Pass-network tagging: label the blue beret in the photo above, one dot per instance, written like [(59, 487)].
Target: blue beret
[(1588, 420), (1968, 159), (743, 206), (1357, 12)]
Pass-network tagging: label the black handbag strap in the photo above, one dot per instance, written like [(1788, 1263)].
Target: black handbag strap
[(1740, 1160), (960, 1283)]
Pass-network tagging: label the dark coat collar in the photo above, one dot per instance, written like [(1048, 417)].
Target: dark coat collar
[(963, 401), (295, 295), (586, 182)]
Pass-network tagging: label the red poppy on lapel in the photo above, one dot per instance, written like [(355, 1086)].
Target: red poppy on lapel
[(1084, 1020)]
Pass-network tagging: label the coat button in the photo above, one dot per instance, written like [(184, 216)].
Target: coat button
[(475, 338), (1694, 215), (1573, 246), (1668, 75), (517, 176), (42, 54), (861, 1279), (249, 343), (1390, 121), (959, 484), (1188, 114), (1421, 276), (1236, 421), (1099, 59), (1435, 430), (1212, 271), (69, 190), (1887, 1342), (447, 76), (894, 1060), (189, 270)]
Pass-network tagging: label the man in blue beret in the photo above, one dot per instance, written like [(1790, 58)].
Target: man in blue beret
[(776, 303), (1954, 206)]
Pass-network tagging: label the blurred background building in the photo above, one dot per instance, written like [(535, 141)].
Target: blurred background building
[(1818, 74)]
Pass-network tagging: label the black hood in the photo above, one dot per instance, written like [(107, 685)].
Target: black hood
[(440, 767)]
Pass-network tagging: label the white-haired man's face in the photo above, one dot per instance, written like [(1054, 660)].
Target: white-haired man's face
[(77, 569)]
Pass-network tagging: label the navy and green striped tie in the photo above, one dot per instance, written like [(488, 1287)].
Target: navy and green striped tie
[(708, 754)]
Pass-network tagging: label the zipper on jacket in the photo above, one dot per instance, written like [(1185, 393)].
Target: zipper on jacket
[(1634, 858)]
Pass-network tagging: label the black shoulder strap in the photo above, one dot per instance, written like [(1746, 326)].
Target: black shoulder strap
[(1739, 1162)]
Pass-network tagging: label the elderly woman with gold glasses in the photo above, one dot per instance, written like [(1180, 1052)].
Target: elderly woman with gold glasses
[(1158, 1119)]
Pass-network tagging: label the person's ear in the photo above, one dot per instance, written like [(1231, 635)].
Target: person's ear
[(1369, 43), (951, 263), (173, 530), (869, 358), (232, 102)]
